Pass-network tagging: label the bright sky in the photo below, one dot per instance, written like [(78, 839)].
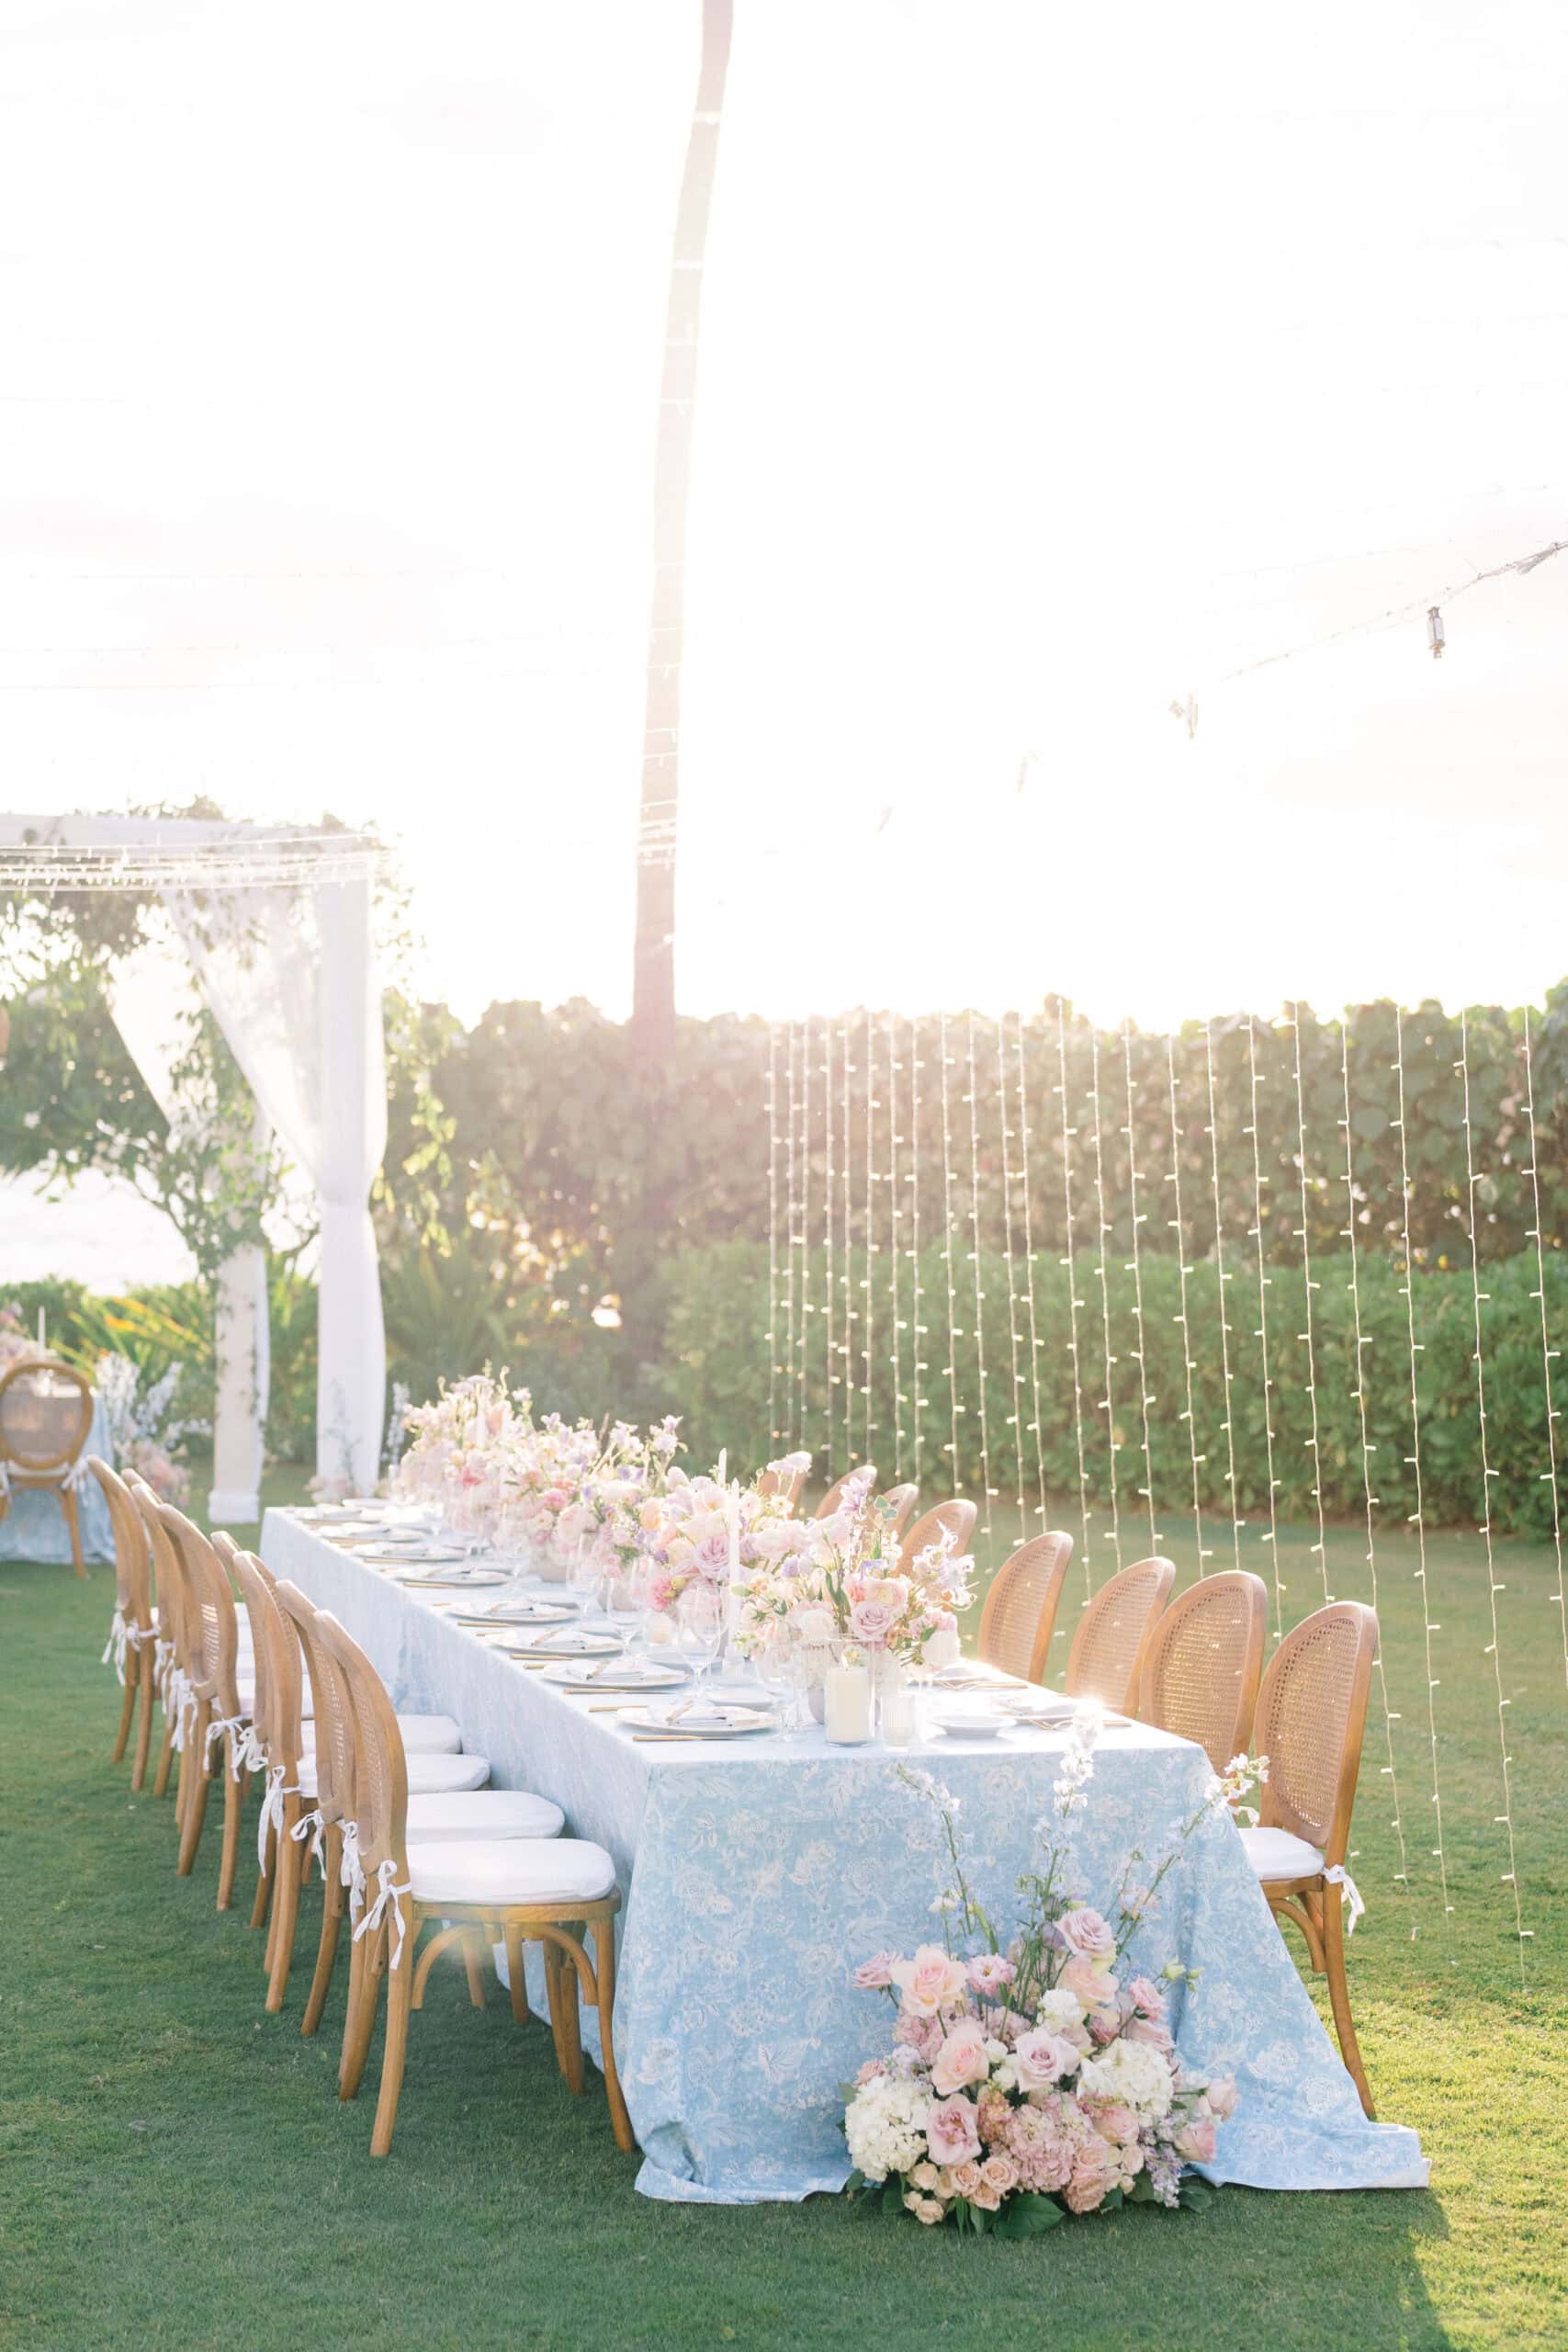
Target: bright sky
[(1055, 363)]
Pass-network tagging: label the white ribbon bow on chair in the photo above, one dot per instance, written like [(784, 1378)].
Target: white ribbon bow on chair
[(180, 1701), (248, 1754), (237, 1724), (272, 1811), (352, 1870), (312, 1826), (387, 1892), (1341, 1876), (120, 1633), (163, 1656)]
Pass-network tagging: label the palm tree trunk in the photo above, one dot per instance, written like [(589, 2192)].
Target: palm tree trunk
[(653, 980)]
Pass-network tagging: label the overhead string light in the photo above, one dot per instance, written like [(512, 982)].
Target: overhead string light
[(868, 1288), (802, 1361), (1135, 1267), (791, 1230), (917, 1301), (773, 1233), (1035, 1427), (954, 1408), (1360, 1342), (1495, 1647), (894, 1219), (1413, 1462), (1548, 1354), (829, 1291), (1221, 1277), (1264, 1279), (1074, 1301), (1015, 1377), (1183, 1320), (986, 1488), (1108, 1402), (846, 1282), (1308, 1337)]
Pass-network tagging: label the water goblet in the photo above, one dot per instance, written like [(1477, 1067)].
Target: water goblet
[(699, 1624)]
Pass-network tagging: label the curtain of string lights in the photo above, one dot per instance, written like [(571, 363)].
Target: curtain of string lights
[(1063, 1244)]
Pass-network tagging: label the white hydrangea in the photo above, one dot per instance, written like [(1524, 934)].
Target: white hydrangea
[(884, 2125), (1132, 2072), (1061, 2011)]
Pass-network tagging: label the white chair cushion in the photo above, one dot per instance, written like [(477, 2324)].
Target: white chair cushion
[(1276, 1853), (518, 1870), (429, 1776), (423, 1735), (484, 1813)]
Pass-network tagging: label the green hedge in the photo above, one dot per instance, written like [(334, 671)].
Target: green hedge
[(718, 1377)]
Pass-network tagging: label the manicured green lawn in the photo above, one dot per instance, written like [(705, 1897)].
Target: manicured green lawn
[(178, 2172)]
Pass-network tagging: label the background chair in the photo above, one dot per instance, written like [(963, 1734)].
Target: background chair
[(1106, 1656), (829, 1502), (1202, 1670), (775, 1482), (46, 1411), (1020, 1614), (901, 1502), (1312, 1713), (133, 1632), (955, 1518)]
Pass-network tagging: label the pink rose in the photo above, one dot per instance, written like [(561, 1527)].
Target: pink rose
[(1147, 1998), (930, 1981), (1095, 2174), (870, 1621), (963, 2180), (961, 2060), (868, 2073), (1000, 2173), (988, 1972), (1114, 2121), (1197, 2143), (1086, 1934), (1042, 2057), (951, 2133), (922, 2035), (554, 1498), (871, 1974), (1222, 2096), (1149, 2030)]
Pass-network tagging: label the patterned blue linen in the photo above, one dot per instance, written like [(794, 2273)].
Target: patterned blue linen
[(34, 1528), (758, 1876)]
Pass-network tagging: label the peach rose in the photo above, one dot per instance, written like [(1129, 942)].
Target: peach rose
[(930, 1981), (961, 2060)]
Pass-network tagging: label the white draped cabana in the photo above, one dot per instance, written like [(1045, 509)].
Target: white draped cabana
[(277, 928)]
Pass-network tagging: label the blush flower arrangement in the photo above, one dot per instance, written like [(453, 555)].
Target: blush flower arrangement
[(1030, 2082), (686, 1531), (843, 1578)]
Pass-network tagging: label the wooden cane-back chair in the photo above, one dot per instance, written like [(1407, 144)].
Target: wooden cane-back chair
[(900, 1501), (278, 1721), (1201, 1672), (786, 1484), (1020, 1614), (1311, 1717), (1111, 1641), (46, 1412), (955, 1518), (133, 1631), (546, 1890), (175, 1646), (835, 1494), (222, 1721)]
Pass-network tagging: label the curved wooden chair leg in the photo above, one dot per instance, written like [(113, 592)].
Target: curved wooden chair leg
[(1339, 1996), (513, 1938), (285, 1909), (165, 1755), (233, 1811), (363, 2001), (400, 1996), (473, 1962), (73, 1522), (429, 1953), (194, 1771), (332, 1922), (145, 1735), (604, 1972), (566, 2016), (127, 1705), (263, 1904)]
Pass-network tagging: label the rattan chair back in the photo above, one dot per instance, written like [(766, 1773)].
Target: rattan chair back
[(177, 1606), (334, 1717), (1312, 1713), (132, 1561), (46, 1411), (380, 1771), (1020, 1614), (900, 1501), (955, 1518), (835, 1494), (1201, 1668), (1109, 1646), (213, 1626)]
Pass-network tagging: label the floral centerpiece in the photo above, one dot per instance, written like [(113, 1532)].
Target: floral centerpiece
[(843, 1578), (700, 1530), (1038, 2080), (621, 1493)]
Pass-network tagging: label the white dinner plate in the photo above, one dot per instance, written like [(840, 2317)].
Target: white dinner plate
[(614, 1674), (569, 1644), (519, 1612), (448, 1579), (717, 1722), (973, 1726)]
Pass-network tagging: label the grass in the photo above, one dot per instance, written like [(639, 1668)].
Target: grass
[(177, 2170)]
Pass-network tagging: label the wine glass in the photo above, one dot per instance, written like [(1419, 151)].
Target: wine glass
[(699, 1624), (585, 1576), (624, 1599), (774, 1666)]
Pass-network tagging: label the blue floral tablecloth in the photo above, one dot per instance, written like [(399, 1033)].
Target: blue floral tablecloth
[(34, 1528), (756, 1877)]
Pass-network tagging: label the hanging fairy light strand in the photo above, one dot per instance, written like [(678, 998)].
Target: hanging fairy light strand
[(917, 1301), (1495, 1648), (894, 1219), (1108, 1402), (1360, 1341), (1220, 1278), (773, 1234), (1135, 1267), (1015, 1377), (987, 1489), (1073, 1301), (846, 1349), (954, 1408), (1272, 1536), (1183, 1275), (868, 1288), (1548, 1354), (1419, 1516), (1308, 1338), (830, 1299), (1037, 1430), (801, 1365), (790, 1228)]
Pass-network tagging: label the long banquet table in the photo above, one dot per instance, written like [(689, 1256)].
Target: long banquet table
[(756, 1876)]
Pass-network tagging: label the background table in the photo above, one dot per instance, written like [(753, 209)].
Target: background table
[(756, 1876), (34, 1528)]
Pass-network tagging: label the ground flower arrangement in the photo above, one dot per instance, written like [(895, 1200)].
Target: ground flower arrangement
[(1035, 2080)]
